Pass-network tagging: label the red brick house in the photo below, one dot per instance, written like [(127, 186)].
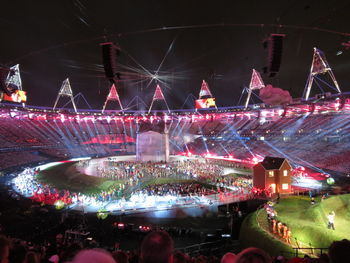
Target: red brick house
[(273, 173)]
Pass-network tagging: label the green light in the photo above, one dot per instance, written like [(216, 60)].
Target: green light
[(330, 181), (102, 214), (59, 204)]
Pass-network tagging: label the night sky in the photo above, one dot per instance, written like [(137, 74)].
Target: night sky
[(53, 40)]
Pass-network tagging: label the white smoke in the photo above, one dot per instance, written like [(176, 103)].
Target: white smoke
[(187, 138), (275, 96)]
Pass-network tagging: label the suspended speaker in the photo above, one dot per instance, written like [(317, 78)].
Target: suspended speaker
[(110, 52), (274, 44)]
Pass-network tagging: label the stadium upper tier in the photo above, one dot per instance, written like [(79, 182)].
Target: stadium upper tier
[(314, 134)]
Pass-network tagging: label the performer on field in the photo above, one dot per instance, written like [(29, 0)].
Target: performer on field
[(285, 230), (330, 217), (274, 224), (289, 236), (279, 229)]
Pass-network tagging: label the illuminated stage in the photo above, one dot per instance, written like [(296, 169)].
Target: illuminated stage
[(138, 201)]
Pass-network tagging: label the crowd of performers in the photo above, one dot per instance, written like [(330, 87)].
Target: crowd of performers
[(26, 184), (135, 170), (177, 189), (189, 169), (132, 176), (278, 228)]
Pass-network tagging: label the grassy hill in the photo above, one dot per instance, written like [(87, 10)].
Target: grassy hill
[(308, 223), (252, 234)]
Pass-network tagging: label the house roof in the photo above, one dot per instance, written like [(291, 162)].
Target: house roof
[(271, 163)]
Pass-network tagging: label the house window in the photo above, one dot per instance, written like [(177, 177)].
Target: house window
[(285, 172), (285, 186), (271, 173)]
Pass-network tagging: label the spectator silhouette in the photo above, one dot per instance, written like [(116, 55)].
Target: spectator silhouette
[(253, 255), (179, 257), (339, 251), (157, 247), (120, 257), (93, 256), (228, 258), (17, 253), (4, 249)]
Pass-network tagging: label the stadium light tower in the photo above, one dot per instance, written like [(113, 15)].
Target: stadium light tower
[(65, 90), (112, 96), (12, 85), (319, 66), (205, 99), (256, 83), (158, 95), (14, 77)]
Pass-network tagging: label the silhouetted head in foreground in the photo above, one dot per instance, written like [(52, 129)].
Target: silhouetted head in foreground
[(339, 251), (228, 258), (93, 256), (253, 255), (157, 247)]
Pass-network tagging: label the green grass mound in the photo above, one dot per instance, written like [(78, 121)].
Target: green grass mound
[(253, 234), (309, 222)]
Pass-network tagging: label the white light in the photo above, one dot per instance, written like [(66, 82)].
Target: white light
[(80, 159), (48, 165)]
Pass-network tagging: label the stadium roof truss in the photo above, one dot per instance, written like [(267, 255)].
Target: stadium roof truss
[(158, 95), (65, 91), (256, 83), (113, 96), (319, 66), (14, 77)]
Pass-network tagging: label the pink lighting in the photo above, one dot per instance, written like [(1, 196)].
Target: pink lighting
[(144, 228), (231, 159), (62, 117)]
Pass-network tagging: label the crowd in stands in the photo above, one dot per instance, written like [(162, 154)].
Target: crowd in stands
[(298, 136), (18, 158), (41, 140), (301, 138), (156, 247)]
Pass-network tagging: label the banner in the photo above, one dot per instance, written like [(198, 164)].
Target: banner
[(18, 96), (205, 103)]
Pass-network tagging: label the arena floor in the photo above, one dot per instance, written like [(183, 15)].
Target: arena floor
[(165, 206)]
